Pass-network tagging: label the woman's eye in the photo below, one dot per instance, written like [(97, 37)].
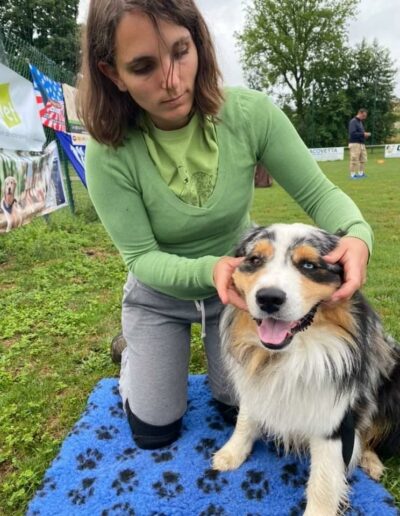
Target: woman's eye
[(181, 53), (308, 266), (143, 70)]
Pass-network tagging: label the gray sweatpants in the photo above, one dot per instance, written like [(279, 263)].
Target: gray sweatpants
[(154, 367)]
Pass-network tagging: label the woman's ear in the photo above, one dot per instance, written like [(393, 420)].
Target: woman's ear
[(110, 72)]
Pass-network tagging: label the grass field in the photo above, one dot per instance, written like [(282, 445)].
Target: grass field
[(60, 290)]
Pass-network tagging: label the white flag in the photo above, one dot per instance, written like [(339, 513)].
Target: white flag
[(20, 125)]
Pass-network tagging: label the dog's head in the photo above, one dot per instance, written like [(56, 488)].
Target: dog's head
[(10, 185), (283, 278)]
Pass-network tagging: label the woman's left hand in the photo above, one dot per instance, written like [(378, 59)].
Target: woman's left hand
[(353, 254)]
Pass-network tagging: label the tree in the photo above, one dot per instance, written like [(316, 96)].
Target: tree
[(294, 46), (370, 84), (48, 25)]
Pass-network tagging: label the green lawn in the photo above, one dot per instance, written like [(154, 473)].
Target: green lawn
[(61, 284)]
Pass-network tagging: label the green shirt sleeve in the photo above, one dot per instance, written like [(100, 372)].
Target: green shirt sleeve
[(284, 154), (122, 212)]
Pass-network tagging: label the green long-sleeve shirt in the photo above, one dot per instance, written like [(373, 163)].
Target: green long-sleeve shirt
[(173, 246)]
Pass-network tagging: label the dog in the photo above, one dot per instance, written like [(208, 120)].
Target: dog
[(314, 375), (9, 204)]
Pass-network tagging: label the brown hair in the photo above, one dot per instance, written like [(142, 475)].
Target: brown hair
[(106, 111)]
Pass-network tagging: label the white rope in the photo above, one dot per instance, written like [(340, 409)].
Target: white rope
[(200, 308)]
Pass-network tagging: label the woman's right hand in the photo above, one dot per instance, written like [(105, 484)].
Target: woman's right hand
[(222, 275)]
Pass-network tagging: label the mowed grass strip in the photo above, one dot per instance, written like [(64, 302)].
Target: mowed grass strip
[(60, 289)]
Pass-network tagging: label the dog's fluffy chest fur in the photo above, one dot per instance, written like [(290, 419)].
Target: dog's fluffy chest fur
[(296, 394)]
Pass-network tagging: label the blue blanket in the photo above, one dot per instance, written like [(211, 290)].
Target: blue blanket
[(99, 470)]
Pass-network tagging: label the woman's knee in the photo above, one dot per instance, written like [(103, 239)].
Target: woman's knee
[(151, 437)]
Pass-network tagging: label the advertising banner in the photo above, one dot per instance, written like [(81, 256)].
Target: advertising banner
[(74, 146), (31, 185), (392, 151), (74, 124), (328, 153), (20, 126)]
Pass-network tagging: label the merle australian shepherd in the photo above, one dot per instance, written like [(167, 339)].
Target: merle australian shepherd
[(313, 375)]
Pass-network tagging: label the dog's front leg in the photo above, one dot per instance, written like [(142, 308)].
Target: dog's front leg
[(239, 446), (327, 486)]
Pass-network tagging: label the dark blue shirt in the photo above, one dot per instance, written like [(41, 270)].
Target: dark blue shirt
[(356, 131)]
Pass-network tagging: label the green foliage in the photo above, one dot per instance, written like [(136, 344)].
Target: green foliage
[(370, 84), (60, 289), (366, 79), (292, 44), (298, 51), (48, 25)]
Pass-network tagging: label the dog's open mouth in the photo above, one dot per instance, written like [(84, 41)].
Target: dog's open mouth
[(277, 334)]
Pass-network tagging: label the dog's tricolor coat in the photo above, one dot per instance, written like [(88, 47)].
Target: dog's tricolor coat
[(308, 373)]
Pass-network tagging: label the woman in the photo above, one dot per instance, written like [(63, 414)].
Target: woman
[(170, 172)]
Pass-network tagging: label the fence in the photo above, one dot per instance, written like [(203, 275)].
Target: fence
[(17, 54)]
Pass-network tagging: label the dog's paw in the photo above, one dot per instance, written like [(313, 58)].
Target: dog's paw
[(371, 464), (225, 459)]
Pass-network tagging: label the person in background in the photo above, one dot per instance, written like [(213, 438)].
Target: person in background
[(358, 151), (170, 171)]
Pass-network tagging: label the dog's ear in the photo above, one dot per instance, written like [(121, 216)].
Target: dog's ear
[(248, 237), (337, 269)]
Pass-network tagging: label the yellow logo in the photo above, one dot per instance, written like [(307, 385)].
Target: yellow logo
[(7, 111)]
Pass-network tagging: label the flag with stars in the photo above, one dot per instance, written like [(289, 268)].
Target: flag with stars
[(50, 100)]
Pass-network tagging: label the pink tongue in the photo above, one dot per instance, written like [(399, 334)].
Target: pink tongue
[(272, 331)]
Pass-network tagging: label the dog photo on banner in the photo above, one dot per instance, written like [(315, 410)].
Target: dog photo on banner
[(31, 185)]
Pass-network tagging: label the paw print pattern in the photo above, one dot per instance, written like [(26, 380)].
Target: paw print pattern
[(292, 476), (190, 406), (162, 456), (354, 511), (215, 422), (117, 410), (275, 447), (211, 482), (90, 406), (106, 433), (80, 496), (115, 390), (127, 454), (206, 447), (169, 486), (299, 509), (119, 509), (89, 459), (78, 428), (389, 501), (213, 510), (47, 485), (125, 482), (256, 486)]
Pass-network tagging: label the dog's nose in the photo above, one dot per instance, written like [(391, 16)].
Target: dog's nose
[(270, 299)]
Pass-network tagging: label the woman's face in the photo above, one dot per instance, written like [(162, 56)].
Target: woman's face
[(157, 67)]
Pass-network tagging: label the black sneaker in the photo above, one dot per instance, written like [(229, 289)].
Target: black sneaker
[(118, 344)]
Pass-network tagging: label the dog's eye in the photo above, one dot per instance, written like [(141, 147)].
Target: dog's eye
[(255, 260), (309, 266)]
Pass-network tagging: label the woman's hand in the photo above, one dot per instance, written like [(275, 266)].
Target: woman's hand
[(353, 254), (222, 275)]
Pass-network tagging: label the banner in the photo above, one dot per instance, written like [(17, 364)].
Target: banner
[(20, 126), (392, 151), (74, 146), (50, 100), (328, 153), (74, 124), (31, 184)]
